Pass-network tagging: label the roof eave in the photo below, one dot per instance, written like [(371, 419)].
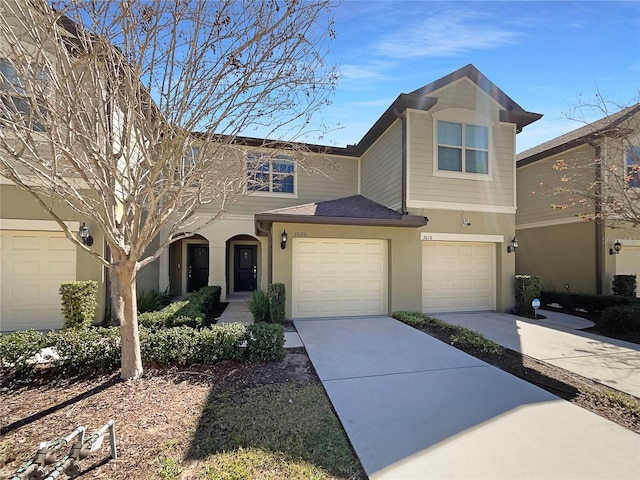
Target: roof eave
[(409, 221)]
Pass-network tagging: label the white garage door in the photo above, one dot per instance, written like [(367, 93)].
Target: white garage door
[(628, 262), (339, 277), (33, 266), (458, 276)]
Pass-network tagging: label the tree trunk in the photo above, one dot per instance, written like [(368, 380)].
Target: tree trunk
[(126, 311)]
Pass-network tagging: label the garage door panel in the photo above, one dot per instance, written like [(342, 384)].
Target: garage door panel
[(457, 276), (628, 262), (340, 277), (34, 264)]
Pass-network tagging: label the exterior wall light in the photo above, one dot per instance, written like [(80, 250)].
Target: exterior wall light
[(512, 245), (616, 248), (283, 240), (85, 236)]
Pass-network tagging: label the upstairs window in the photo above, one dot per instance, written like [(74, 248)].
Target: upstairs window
[(270, 174), (463, 148), (633, 167), (16, 102)]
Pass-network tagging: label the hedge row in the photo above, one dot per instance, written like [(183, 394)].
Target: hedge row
[(98, 349), (590, 303), (190, 312)]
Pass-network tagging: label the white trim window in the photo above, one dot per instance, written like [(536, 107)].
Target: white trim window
[(272, 174), (633, 167), (463, 148), (14, 97)]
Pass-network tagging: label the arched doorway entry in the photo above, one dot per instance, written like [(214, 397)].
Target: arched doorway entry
[(243, 260), (189, 264)]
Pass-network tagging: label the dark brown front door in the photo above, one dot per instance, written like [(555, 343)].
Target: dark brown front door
[(245, 268), (197, 266)]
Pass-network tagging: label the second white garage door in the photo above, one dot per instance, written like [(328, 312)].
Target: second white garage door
[(34, 264), (458, 276), (339, 277)]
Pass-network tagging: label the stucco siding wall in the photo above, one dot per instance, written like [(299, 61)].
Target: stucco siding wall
[(561, 255), (495, 189), (537, 187), (381, 169)]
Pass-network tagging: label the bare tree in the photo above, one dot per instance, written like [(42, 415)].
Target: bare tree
[(607, 185), (100, 101)]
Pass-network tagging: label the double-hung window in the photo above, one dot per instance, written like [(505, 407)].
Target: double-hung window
[(633, 167), (270, 173), (463, 148), (16, 102)]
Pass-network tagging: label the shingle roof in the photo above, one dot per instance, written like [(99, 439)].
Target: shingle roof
[(576, 137), (353, 210)]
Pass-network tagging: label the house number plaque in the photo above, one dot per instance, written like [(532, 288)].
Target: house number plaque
[(300, 234)]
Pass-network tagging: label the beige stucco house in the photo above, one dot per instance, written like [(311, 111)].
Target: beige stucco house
[(416, 216), (564, 237)]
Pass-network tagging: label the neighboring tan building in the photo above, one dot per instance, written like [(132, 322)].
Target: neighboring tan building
[(417, 216), (560, 239)]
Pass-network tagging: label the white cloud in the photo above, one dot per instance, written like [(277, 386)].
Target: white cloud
[(444, 34)]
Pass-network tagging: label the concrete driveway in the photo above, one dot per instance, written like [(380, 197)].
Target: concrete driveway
[(416, 408), (557, 340)]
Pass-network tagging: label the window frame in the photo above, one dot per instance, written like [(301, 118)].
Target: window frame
[(271, 160), (465, 118), (14, 89), (632, 157)]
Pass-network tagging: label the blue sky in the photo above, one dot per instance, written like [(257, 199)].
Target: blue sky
[(547, 56)]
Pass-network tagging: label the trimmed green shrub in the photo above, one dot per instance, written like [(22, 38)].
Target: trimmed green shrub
[(527, 287), (221, 342), (153, 300), (622, 319), (162, 317), (624, 285), (277, 301), (190, 312), (79, 303), (16, 351), (168, 346), (589, 302), (85, 351), (410, 318), (259, 306), (457, 336), (265, 342)]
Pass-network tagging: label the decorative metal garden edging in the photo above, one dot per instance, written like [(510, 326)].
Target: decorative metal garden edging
[(69, 465)]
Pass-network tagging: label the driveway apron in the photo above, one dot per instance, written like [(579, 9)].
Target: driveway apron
[(417, 408)]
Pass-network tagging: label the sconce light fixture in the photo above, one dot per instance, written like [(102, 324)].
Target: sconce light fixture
[(283, 240), (85, 236), (616, 248), (512, 245)]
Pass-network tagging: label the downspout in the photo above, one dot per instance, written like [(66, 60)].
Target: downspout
[(598, 212), (403, 117), (269, 251)]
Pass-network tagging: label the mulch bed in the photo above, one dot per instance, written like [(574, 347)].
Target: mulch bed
[(156, 416)]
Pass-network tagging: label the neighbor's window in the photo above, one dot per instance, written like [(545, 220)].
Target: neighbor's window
[(463, 148), (15, 99), (273, 174), (633, 167)]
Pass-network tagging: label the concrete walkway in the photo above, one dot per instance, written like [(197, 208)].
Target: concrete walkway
[(417, 408), (237, 312), (556, 340)]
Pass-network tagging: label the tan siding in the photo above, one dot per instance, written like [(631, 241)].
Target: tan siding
[(426, 187), (538, 182), (339, 178), (382, 168)]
